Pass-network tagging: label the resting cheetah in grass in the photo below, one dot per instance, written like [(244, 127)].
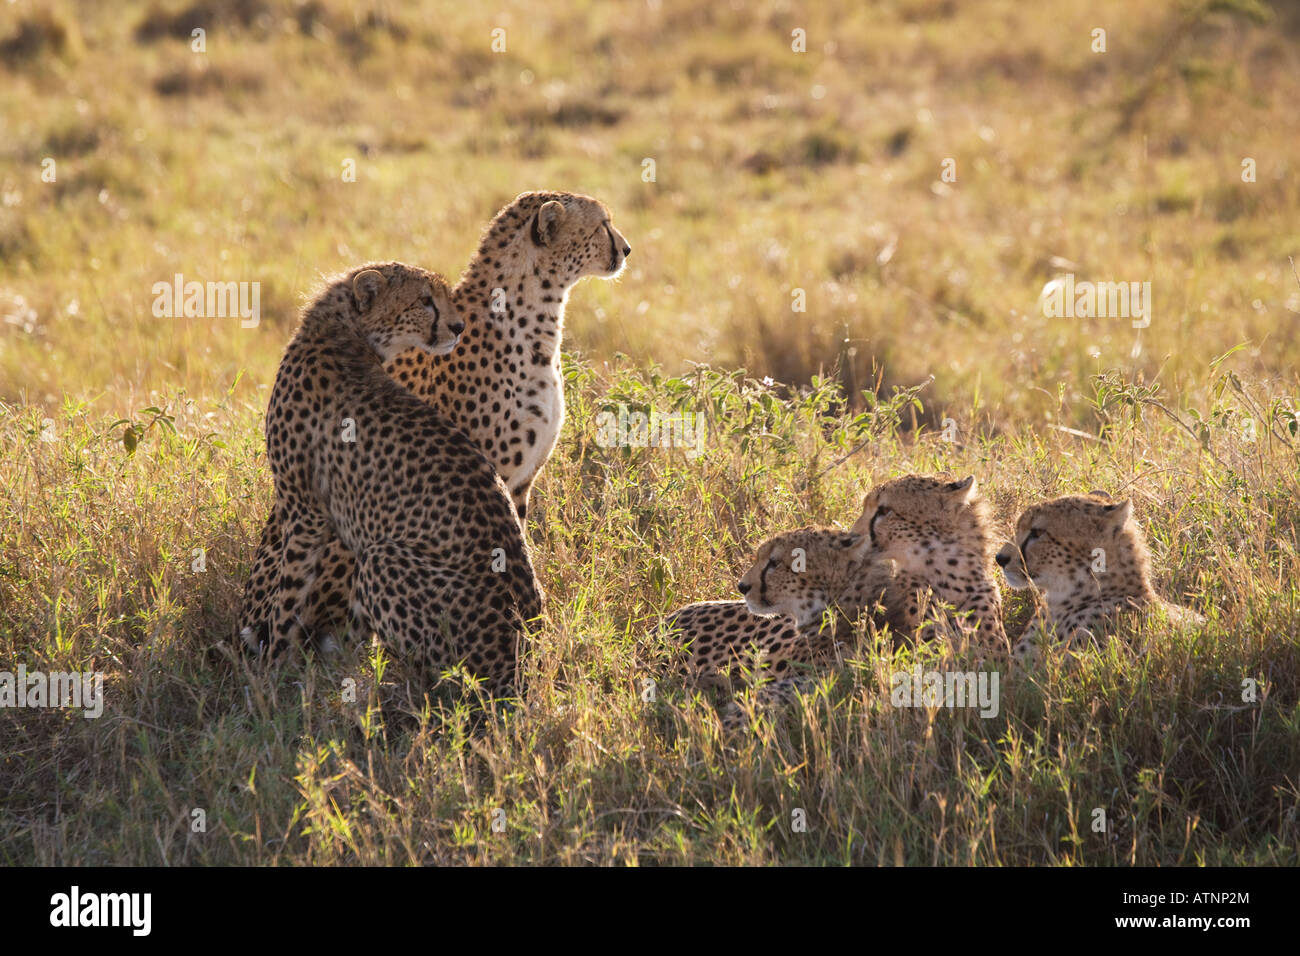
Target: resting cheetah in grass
[(922, 543), (443, 573), (937, 530), (1088, 558), (501, 383), (796, 577)]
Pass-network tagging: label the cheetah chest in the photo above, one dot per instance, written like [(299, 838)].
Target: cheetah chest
[(540, 415)]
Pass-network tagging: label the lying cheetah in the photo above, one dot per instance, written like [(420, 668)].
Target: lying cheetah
[(501, 383), (443, 573), (937, 530), (922, 542), (1088, 558), (796, 577)]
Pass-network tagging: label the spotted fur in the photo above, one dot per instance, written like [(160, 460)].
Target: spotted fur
[(501, 383), (919, 556), (1087, 559), (937, 530), (795, 579), (443, 573)]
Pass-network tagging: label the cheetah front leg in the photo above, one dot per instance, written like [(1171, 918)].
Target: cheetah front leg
[(326, 614), (1028, 649), (775, 694), (519, 496)]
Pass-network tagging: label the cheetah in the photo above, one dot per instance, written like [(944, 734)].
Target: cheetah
[(443, 574), (938, 531), (922, 542), (795, 579), (500, 384), (1087, 557)]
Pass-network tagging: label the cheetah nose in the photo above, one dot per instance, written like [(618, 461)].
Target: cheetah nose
[(1002, 559), (627, 250), (743, 587), (456, 327)]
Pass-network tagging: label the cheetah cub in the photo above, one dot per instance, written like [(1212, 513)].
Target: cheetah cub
[(937, 530), (919, 555), (442, 572), (795, 579), (1087, 558), (803, 574)]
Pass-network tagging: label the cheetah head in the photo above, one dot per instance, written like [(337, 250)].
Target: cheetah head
[(404, 307), (800, 573), (929, 524), (568, 236), (1065, 542)]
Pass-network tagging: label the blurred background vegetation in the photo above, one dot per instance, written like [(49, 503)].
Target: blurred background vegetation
[(774, 171)]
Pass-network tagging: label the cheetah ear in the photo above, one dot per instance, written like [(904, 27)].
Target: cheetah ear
[(1118, 513), (964, 489), (547, 222), (1098, 493), (366, 287)]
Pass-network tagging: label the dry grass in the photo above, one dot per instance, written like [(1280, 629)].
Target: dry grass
[(775, 171)]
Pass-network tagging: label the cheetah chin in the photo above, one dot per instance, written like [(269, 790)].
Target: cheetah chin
[(431, 349), (761, 610)]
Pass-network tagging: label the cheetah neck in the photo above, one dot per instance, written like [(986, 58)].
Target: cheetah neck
[(1091, 596), (843, 593), (859, 586), (958, 573), (332, 327), (525, 307)]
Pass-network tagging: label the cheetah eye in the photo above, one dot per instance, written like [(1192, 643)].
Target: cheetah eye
[(881, 512), (773, 562), (427, 302), (1032, 535)]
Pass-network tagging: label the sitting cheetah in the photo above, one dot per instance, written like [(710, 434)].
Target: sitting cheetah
[(501, 383), (920, 540), (443, 573), (1087, 556)]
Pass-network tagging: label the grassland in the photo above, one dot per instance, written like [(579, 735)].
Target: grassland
[(775, 171)]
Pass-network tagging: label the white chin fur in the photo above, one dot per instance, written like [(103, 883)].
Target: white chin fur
[(1014, 578), (440, 349)]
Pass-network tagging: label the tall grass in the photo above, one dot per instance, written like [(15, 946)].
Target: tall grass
[(133, 485), (340, 761)]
